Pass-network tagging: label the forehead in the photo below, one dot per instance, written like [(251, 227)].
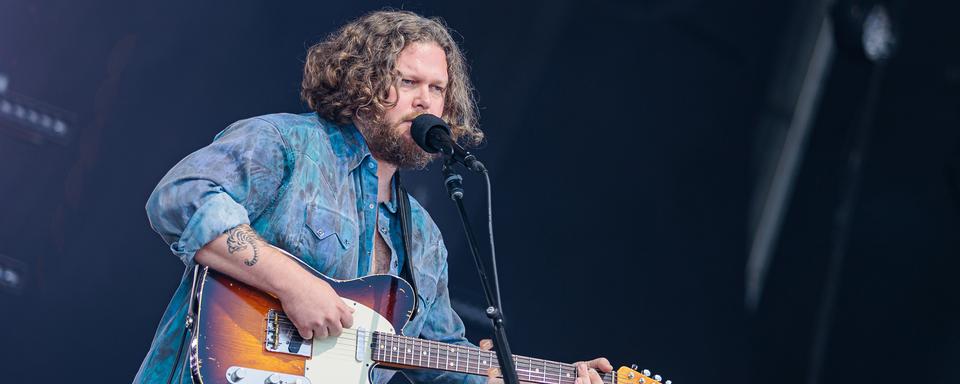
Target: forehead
[(424, 60)]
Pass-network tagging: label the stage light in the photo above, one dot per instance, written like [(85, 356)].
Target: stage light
[(12, 275), (878, 39), (35, 118), (865, 28)]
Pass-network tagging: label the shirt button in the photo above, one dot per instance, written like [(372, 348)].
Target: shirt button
[(395, 263), (371, 206), (347, 242), (371, 165), (383, 229)]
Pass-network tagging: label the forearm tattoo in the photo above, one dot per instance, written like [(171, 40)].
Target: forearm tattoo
[(239, 238)]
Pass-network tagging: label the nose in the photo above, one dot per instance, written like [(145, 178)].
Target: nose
[(421, 99)]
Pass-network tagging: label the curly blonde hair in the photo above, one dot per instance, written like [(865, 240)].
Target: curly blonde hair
[(349, 74)]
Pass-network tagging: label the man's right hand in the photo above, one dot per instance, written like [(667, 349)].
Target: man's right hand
[(309, 302), (316, 309)]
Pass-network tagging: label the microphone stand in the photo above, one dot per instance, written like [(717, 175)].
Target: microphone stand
[(508, 368)]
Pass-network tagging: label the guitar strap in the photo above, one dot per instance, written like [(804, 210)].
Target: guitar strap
[(403, 209)]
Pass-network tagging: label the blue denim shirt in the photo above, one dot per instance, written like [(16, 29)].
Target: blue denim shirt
[(309, 187)]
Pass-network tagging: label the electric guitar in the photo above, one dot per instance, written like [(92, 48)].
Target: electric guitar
[(240, 335)]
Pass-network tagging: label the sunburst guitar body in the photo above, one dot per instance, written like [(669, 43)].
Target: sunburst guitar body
[(240, 335)]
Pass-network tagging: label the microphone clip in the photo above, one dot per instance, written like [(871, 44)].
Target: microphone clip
[(452, 180)]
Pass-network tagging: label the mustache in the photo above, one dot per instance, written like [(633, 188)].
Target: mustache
[(410, 116)]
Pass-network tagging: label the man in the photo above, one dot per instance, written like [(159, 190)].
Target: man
[(320, 186)]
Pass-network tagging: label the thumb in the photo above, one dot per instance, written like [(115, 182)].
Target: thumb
[(486, 344)]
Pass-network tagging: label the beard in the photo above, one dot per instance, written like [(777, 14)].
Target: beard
[(389, 143)]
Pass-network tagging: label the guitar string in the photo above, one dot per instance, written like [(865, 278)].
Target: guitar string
[(549, 374), (469, 359)]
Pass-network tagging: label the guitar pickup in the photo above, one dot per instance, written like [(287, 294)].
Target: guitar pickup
[(282, 336)]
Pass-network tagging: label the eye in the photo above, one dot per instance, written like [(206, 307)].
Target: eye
[(407, 82), (437, 88)]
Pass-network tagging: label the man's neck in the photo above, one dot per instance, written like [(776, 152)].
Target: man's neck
[(385, 173)]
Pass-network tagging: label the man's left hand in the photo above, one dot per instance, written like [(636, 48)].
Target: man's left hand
[(587, 371)]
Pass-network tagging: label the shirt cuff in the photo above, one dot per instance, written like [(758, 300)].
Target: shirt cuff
[(218, 214)]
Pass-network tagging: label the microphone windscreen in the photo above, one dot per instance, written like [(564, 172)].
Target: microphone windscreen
[(421, 127)]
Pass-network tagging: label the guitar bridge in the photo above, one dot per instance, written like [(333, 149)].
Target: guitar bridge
[(282, 336)]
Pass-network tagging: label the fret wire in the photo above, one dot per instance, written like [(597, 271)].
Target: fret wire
[(376, 345), (386, 347), (424, 351), (451, 348), (404, 346), (385, 342), (409, 351), (403, 350), (413, 352), (544, 376), (419, 353), (390, 343), (559, 373), (396, 349)]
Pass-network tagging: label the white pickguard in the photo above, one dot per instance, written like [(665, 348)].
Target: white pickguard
[(335, 359)]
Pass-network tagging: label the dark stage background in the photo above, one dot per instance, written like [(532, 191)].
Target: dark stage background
[(664, 120)]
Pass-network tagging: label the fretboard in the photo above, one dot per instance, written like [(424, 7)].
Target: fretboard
[(420, 353)]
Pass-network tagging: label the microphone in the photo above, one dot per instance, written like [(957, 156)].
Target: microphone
[(432, 134)]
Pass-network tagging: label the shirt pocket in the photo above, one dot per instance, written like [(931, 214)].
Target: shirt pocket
[(328, 241)]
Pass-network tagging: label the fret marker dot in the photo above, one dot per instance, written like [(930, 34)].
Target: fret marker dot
[(409, 350), (484, 361), (537, 369), (381, 346), (451, 349), (451, 364), (394, 348), (568, 375), (424, 353)]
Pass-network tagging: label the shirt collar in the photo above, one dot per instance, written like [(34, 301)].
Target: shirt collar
[(347, 144), (352, 149)]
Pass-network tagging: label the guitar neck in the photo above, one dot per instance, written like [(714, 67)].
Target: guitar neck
[(403, 351)]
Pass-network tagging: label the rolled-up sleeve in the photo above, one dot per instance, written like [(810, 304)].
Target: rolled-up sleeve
[(223, 185)]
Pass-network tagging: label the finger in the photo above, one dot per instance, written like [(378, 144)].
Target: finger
[(486, 344), (601, 363), (346, 319), (347, 307), (320, 332), (305, 333), (334, 328), (493, 376), (582, 372), (594, 377)]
